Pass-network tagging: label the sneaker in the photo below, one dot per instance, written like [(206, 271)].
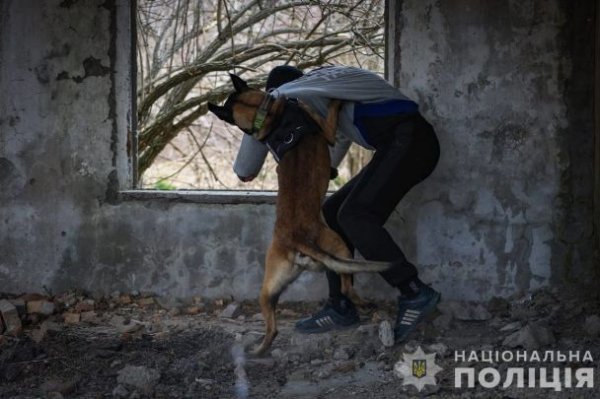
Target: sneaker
[(329, 318), (412, 310)]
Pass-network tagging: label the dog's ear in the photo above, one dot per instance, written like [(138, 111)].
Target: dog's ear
[(222, 112), (239, 84)]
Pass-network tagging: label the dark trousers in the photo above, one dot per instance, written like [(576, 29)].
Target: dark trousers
[(407, 151)]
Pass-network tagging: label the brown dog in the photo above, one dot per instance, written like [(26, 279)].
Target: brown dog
[(301, 240)]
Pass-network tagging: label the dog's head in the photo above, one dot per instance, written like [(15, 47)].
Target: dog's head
[(240, 107)]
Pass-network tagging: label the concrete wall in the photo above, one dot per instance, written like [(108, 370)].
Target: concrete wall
[(506, 209), (509, 86)]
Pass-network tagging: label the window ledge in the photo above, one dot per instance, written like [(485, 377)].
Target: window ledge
[(201, 196)]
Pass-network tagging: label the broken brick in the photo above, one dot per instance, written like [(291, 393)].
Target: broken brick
[(191, 310), (85, 306), (219, 302), (32, 297), (40, 306), (232, 311), (71, 318), (148, 301), (386, 334), (89, 316), (10, 317)]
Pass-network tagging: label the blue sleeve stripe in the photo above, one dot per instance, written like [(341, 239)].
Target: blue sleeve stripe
[(384, 108)]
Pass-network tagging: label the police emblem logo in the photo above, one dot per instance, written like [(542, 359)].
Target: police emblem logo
[(419, 368)]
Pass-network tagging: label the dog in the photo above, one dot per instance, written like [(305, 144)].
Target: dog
[(301, 239)]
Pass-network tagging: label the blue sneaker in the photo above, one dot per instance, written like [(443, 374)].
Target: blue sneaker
[(411, 311), (329, 318)]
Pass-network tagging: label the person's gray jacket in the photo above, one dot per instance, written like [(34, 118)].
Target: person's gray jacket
[(356, 87)]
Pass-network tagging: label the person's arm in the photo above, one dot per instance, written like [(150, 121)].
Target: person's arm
[(339, 150), (250, 158), (344, 83)]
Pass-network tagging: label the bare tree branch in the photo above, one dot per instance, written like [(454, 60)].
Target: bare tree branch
[(185, 46)]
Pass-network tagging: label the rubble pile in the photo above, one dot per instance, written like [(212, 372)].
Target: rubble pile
[(34, 315), (136, 345)]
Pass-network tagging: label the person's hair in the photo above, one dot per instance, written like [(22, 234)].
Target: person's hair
[(282, 74)]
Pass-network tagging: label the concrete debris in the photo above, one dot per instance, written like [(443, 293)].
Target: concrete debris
[(592, 325), (370, 329), (146, 301), (42, 306), (219, 303), (298, 375), (288, 313), (515, 325), (124, 325), (127, 344), (443, 322), (532, 336), (257, 317), (380, 315), (139, 377), (198, 300), (438, 348), (277, 353), (465, 311), (71, 318), (124, 299), (311, 346), (20, 304), (345, 367), (386, 333), (231, 311), (192, 310), (168, 302), (86, 305), (325, 371), (344, 352), (10, 318), (63, 387), (174, 312), (89, 317), (120, 392)]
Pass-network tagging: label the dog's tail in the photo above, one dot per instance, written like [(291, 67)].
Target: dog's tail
[(339, 265)]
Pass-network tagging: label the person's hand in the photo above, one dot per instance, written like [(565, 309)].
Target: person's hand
[(246, 179)]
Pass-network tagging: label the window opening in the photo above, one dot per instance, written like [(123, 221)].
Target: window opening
[(185, 50)]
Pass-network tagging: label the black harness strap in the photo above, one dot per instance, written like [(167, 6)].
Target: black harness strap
[(294, 124)]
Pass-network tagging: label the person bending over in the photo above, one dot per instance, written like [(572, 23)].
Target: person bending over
[(378, 117)]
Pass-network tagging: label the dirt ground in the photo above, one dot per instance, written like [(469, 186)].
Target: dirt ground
[(148, 347)]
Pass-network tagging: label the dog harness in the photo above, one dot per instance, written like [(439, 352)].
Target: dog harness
[(294, 124)]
